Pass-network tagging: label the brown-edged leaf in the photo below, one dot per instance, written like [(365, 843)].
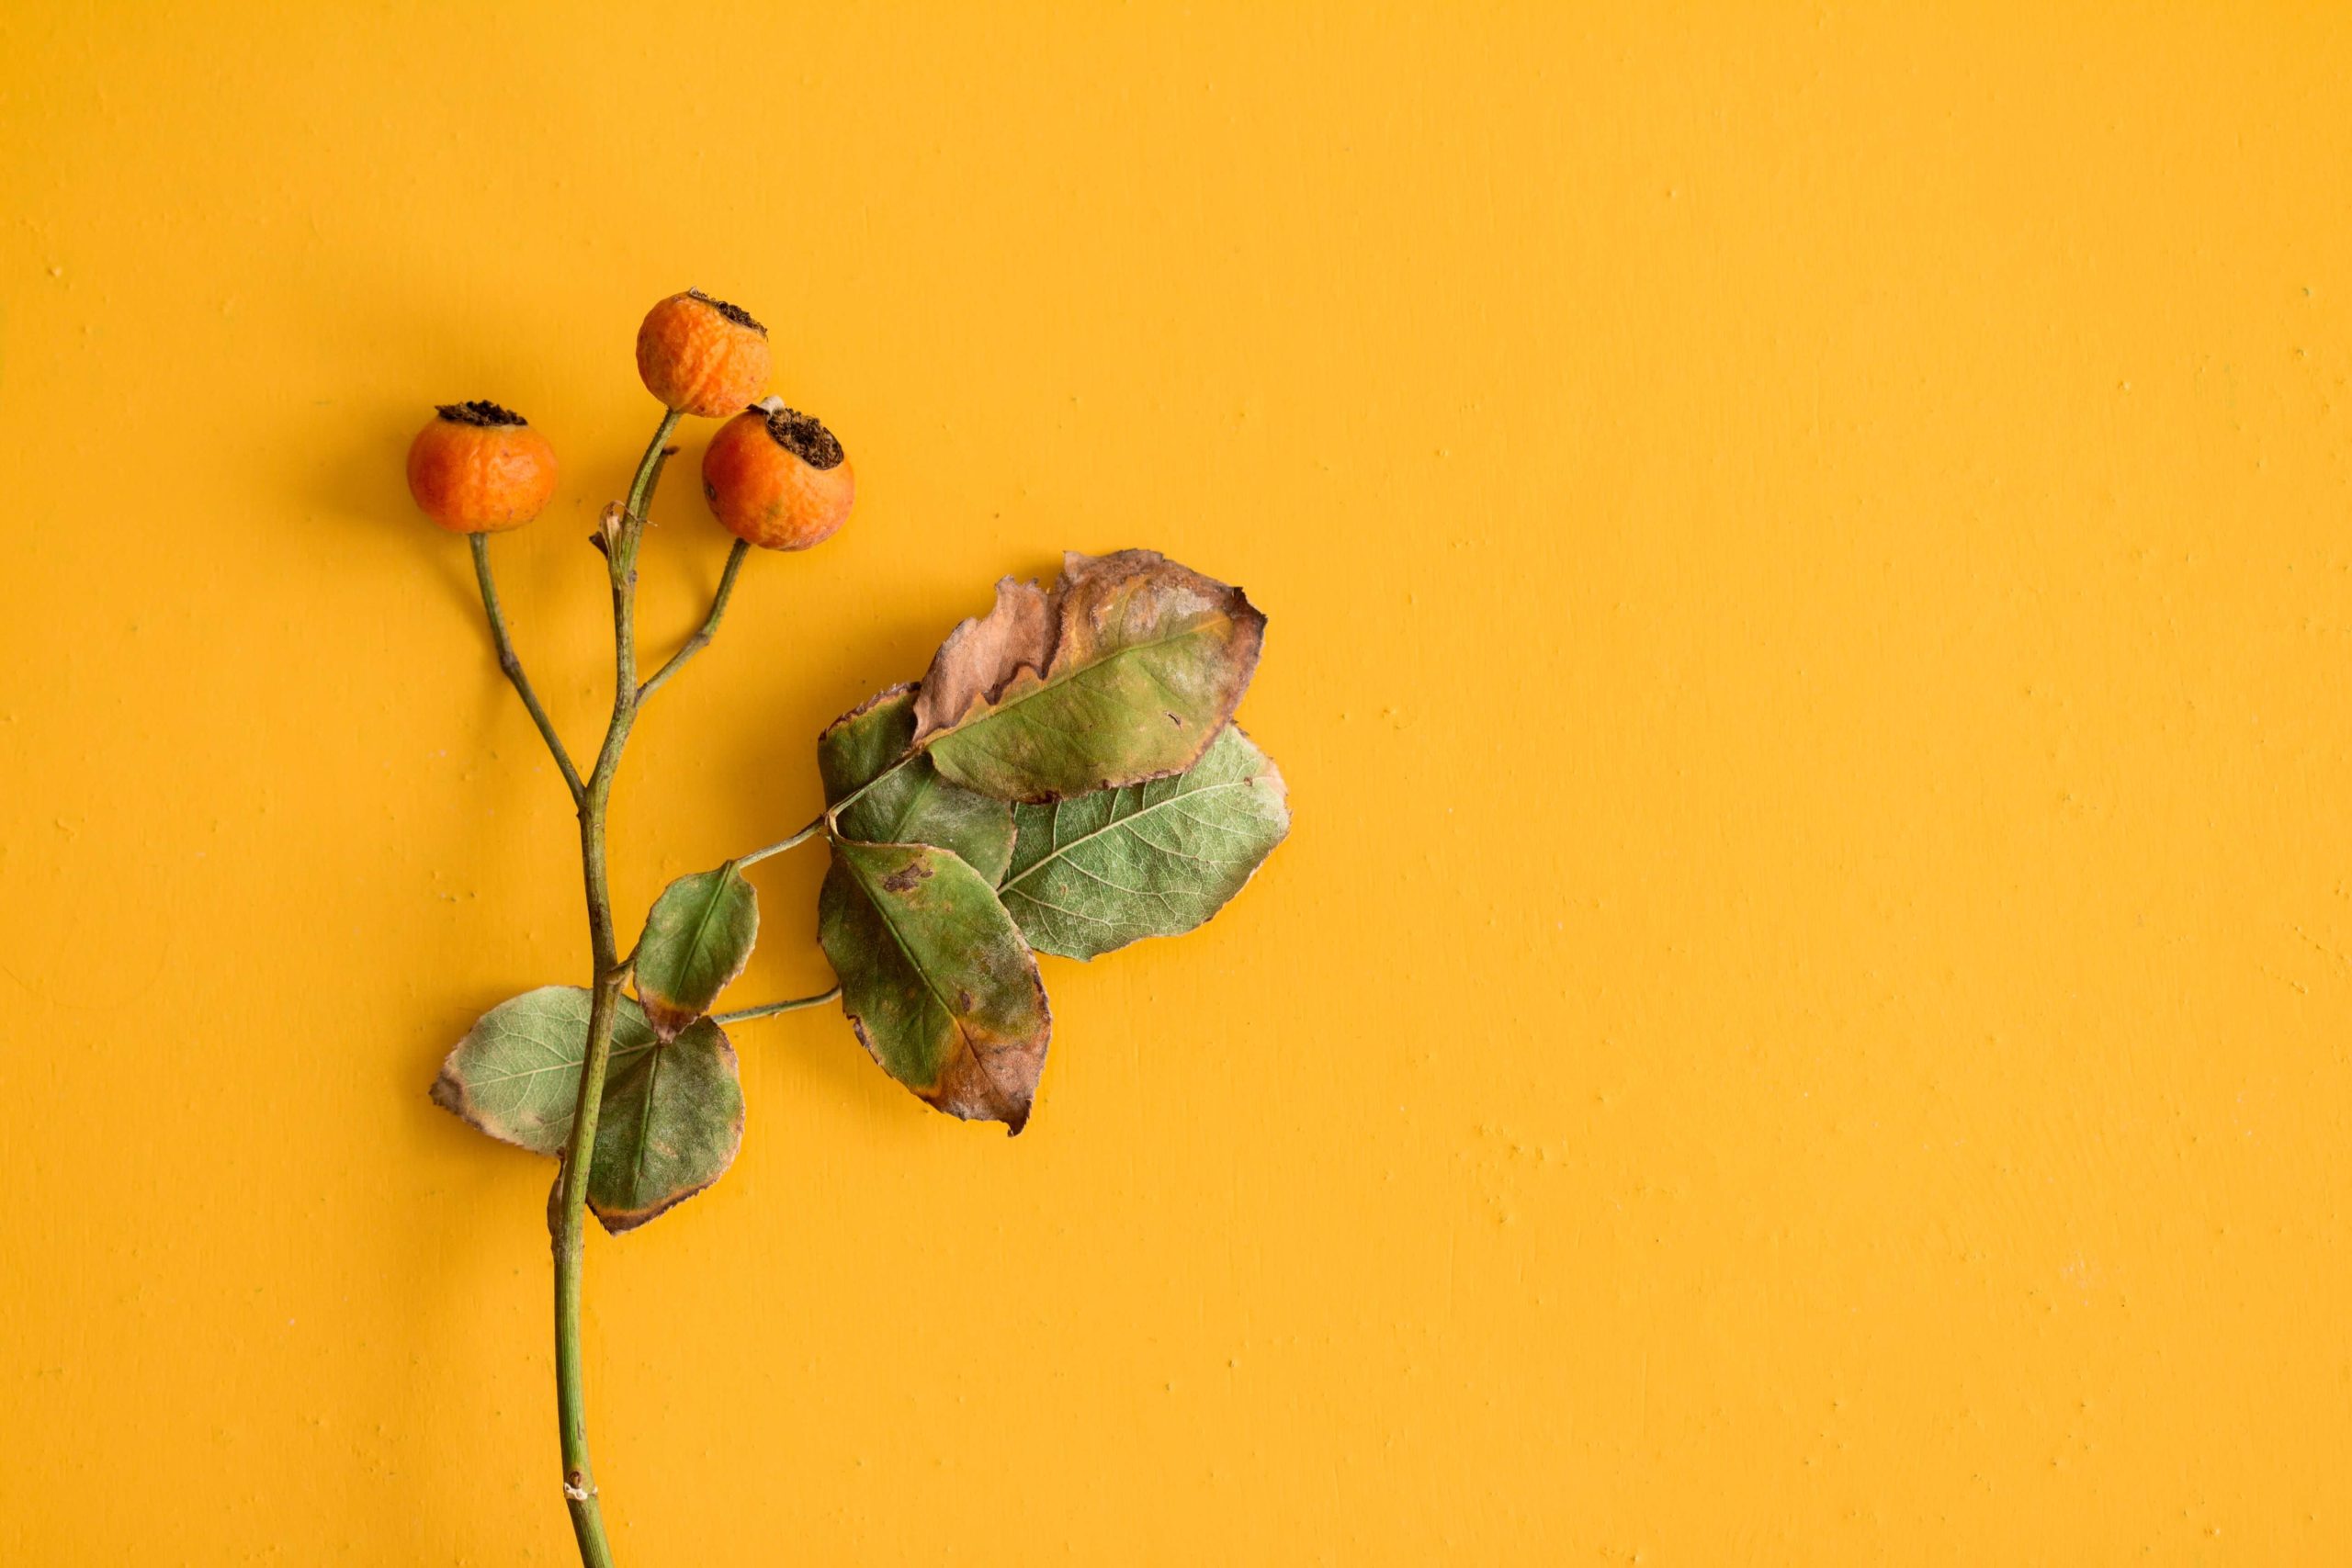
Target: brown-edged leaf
[(1125, 672), (672, 1123), (697, 938), (936, 978), (669, 1121)]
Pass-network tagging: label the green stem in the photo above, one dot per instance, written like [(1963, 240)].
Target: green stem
[(570, 1244), (744, 1015), (572, 1210), (648, 468), (701, 639), (659, 455), (511, 663), (781, 845)]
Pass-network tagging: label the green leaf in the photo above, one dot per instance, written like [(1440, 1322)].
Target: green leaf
[(516, 1073), (672, 1122), (936, 978), (1125, 672), (697, 938), (1153, 859), (671, 1114), (913, 804)]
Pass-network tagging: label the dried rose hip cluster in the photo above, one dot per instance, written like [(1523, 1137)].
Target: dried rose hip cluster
[(773, 476)]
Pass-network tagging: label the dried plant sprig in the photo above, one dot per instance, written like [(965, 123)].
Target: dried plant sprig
[(1066, 778)]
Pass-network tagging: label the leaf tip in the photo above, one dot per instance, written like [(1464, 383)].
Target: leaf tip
[(668, 1019), (449, 1092)]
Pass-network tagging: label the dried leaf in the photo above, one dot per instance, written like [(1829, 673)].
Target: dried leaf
[(671, 1115), (697, 938), (935, 980), (980, 657), (1155, 859), (1125, 673), (913, 804)]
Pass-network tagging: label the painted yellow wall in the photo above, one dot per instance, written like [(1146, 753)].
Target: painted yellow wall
[(1805, 1019)]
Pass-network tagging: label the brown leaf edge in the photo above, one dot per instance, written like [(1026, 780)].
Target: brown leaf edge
[(448, 1090), (984, 655), (668, 1022), (449, 1094), (886, 695), (996, 1104)]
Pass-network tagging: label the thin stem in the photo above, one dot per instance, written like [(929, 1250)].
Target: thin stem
[(570, 1247), (572, 1210), (701, 639), (621, 561), (743, 1015), (781, 845), (648, 468), (512, 663), (661, 455)]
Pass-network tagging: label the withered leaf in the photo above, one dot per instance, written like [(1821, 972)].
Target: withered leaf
[(935, 980), (981, 655), (671, 1115), (1155, 859), (913, 804), (697, 938), (1125, 672)]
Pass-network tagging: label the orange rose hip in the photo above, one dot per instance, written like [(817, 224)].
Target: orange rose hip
[(479, 469), (702, 355), (777, 478)]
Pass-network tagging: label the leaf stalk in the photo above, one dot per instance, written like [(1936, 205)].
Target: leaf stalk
[(830, 821), (814, 828), (744, 1015)]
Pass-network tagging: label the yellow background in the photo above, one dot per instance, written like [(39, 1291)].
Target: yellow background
[(1804, 1019)]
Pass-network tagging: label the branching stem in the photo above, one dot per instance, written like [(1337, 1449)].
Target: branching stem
[(571, 1214), (593, 798)]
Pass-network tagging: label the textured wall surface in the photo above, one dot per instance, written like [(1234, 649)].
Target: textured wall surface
[(1805, 1016)]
